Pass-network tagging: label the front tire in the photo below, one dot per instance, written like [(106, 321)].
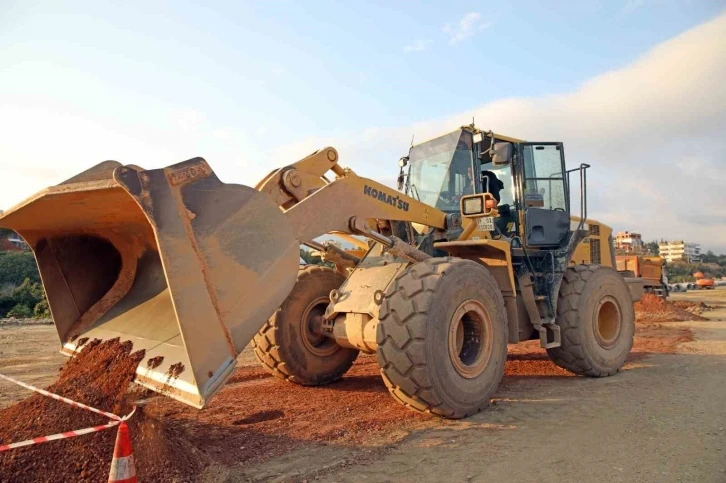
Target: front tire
[(442, 337), (287, 347), (596, 317)]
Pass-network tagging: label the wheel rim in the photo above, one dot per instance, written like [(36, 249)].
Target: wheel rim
[(316, 343), (607, 322), (470, 339)]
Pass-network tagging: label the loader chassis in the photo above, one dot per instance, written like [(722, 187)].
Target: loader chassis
[(437, 172), (478, 249)]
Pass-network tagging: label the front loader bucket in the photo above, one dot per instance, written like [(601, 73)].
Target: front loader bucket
[(184, 266)]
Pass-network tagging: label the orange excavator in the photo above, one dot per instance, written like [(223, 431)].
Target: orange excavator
[(703, 281)]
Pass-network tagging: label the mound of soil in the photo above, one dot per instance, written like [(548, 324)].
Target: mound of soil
[(652, 308), (98, 376), (695, 307)]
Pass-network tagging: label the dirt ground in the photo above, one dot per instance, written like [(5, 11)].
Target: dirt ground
[(29, 353), (661, 419)]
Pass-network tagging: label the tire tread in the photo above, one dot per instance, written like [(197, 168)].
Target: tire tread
[(403, 315), (266, 343)]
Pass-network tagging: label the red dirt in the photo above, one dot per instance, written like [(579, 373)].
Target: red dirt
[(695, 307), (652, 308), (255, 417), (530, 360), (99, 376), (154, 362), (658, 339)]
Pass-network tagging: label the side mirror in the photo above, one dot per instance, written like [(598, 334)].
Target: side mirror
[(501, 154)]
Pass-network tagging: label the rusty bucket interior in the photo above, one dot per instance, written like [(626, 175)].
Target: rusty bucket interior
[(184, 266)]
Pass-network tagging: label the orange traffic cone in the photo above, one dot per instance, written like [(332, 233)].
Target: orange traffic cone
[(123, 469)]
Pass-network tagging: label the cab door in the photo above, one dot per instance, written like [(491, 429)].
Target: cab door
[(545, 198)]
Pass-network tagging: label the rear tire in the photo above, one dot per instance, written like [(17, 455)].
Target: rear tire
[(596, 317), (442, 337), (285, 345)]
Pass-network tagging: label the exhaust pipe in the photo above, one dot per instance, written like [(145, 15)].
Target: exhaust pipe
[(186, 267)]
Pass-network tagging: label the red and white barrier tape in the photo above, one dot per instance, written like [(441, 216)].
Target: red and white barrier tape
[(53, 437), (68, 434), (60, 398)]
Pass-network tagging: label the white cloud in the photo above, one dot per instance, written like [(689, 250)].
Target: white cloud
[(260, 131), (468, 26), (417, 46), (278, 71), (652, 131)]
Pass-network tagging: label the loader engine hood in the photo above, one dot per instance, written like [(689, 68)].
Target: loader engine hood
[(186, 267)]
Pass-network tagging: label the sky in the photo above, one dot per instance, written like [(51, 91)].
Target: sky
[(634, 88)]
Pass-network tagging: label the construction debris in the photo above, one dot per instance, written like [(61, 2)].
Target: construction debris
[(652, 308)]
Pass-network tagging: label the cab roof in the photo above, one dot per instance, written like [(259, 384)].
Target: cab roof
[(474, 130)]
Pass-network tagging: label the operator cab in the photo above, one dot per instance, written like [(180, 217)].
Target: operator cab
[(531, 181)]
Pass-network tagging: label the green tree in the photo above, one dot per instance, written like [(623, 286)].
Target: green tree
[(20, 311), (683, 272), (16, 267), (307, 256), (709, 257), (652, 247), (28, 295), (41, 309), (311, 259)]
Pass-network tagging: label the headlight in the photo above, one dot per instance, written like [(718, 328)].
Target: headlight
[(473, 206)]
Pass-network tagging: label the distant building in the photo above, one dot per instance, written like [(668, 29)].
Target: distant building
[(680, 250), (12, 242), (629, 241), (6, 246), (18, 242)]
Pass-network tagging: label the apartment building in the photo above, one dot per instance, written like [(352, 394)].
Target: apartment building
[(680, 250), (629, 241)]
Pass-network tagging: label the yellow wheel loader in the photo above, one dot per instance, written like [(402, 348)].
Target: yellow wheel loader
[(477, 249)]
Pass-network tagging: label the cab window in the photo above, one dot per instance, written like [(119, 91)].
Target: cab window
[(504, 174), (544, 183)]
